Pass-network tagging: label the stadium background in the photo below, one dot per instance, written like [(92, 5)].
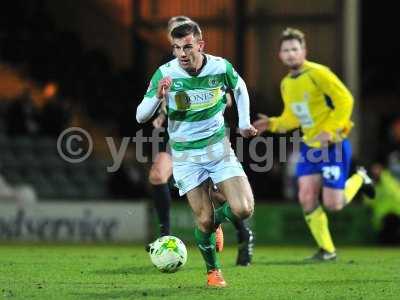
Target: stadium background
[(87, 64)]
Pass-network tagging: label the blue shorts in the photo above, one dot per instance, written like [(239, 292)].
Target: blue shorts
[(333, 163)]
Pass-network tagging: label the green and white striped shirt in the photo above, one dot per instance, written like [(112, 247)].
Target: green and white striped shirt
[(195, 104)]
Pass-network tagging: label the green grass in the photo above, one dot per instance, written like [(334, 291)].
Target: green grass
[(124, 272)]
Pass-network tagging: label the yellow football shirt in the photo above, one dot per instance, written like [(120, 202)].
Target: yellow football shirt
[(314, 100)]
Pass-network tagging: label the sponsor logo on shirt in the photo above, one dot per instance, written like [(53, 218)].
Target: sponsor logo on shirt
[(182, 101), (197, 99), (178, 85)]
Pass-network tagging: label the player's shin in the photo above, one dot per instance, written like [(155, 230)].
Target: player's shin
[(206, 243), (317, 221), (353, 184), (240, 225), (162, 203)]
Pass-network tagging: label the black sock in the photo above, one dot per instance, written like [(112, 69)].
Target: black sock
[(162, 203), (242, 229)]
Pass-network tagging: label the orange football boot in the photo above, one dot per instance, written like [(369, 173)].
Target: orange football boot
[(215, 279)]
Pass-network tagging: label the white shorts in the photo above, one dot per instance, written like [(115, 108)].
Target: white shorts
[(219, 164)]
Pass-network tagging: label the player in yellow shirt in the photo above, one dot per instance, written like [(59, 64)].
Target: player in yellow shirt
[(319, 103)]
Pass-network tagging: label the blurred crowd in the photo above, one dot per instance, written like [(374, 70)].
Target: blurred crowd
[(71, 78)]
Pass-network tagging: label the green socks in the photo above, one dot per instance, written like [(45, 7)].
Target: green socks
[(206, 243), (224, 213)]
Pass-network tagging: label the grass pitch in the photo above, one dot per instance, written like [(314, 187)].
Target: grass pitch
[(125, 272)]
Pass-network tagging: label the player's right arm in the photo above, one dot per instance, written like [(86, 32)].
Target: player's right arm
[(155, 94), (283, 123), (162, 116)]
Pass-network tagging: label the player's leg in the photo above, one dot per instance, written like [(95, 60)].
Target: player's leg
[(315, 216), (244, 234), (205, 232), (227, 173), (160, 172), (339, 190), (308, 173), (336, 199), (333, 199), (217, 200), (240, 200), (359, 181)]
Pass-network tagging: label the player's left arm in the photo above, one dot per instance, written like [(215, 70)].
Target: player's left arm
[(342, 101), (241, 95)]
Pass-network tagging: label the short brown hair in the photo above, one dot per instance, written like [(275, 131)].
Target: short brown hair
[(176, 21), (293, 34), (186, 28)]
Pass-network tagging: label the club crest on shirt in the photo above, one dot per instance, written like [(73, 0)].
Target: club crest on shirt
[(213, 82)]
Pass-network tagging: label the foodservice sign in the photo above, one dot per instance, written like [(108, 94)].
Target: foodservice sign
[(74, 222)]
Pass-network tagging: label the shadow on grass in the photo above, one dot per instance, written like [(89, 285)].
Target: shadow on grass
[(291, 263), (137, 270), (184, 292)]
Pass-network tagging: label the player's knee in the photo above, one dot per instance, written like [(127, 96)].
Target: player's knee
[(246, 212), (156, 177), (307, 199), (334, 206), (243, 211), (306, 195), (205, 223)]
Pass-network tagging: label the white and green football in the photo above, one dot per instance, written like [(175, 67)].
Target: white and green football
[(168, 254)]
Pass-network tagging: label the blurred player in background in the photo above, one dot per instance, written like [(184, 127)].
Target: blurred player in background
[(194, 85), (319, 103), (161, 171)]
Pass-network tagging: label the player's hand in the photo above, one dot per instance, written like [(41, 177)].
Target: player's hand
[(163, 87), (248, 132), (159, 121), (262, 123), (324, 138)]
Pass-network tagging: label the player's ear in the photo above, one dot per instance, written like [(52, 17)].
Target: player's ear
[(201, 45)]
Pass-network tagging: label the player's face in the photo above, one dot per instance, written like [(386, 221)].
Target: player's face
[(292, 54), (188, 51)]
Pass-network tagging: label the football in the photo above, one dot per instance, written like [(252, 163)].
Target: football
[(168, 254)]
